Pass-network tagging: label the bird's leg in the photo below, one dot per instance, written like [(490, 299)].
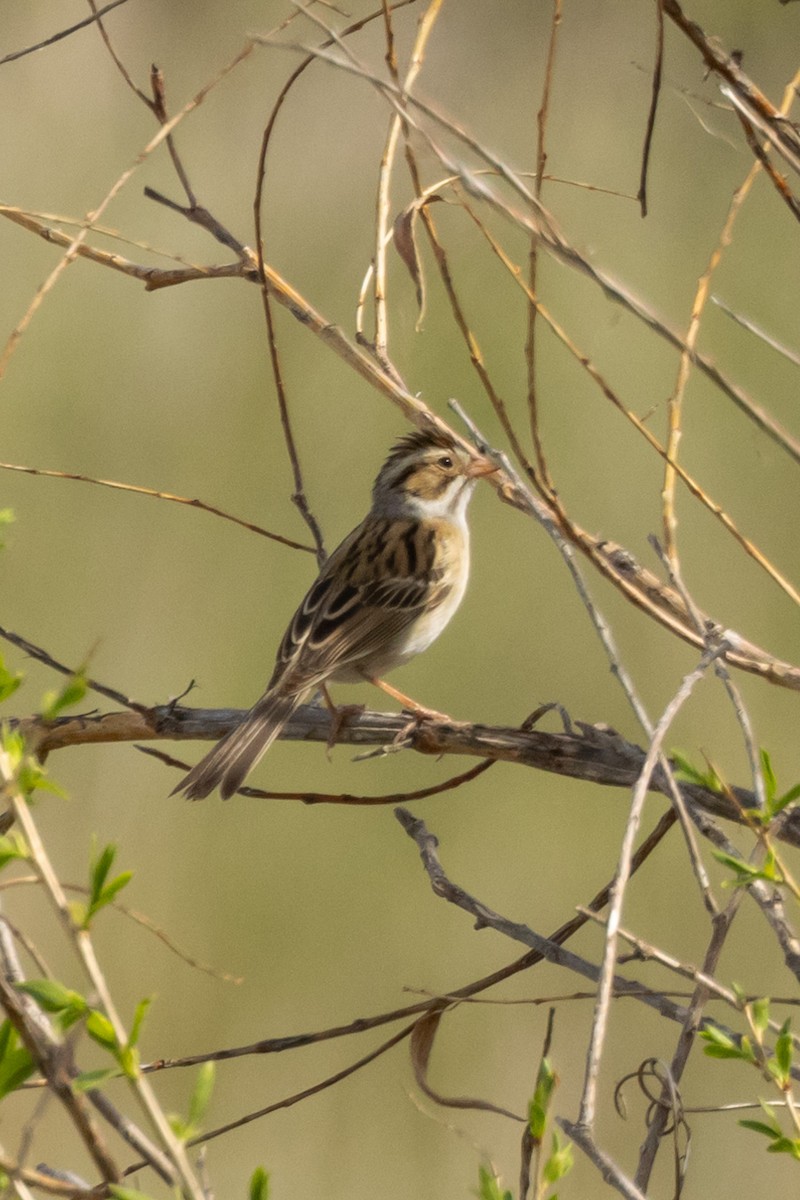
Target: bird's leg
[(420, 711), (339, 714)]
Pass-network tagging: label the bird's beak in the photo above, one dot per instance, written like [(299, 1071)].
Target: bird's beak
[(480, 467)]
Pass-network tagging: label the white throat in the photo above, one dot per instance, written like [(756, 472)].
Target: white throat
[(451, 505)]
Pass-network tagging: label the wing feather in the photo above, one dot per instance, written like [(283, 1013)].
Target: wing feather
[(369, 592)]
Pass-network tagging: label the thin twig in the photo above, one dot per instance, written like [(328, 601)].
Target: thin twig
[(382, 207), (43, 656), (533, 253), (156, 495), (62, 33), (535, 219), (268, 289), (675, 403), (588, 1102), (658, 66), (74, 248), (84, 948), (686, 1042), (759, 332)]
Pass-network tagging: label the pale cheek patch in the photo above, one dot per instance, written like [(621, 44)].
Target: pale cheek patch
[(449, 501)]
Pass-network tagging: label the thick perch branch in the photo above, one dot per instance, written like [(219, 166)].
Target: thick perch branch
[(592, 753)]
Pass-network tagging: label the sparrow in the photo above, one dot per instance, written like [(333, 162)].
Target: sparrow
[(384, 595)]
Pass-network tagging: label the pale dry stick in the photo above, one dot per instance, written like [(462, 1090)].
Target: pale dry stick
[(62, 33), (298, 1097), (19, 935), (383, 202), (41, 655), (156, 495), (759, 332), (74, 248), (50, 1054), (690, 482), (686, 1042), (361, 1025), (729, 69), (541, 223), (675, 401), (618, 669), (42, 222), (82, 943), (588, 1101), (42, 1181), (152, 277), (485, 917), (118, 63), (722, 673), (404, 238), (132, 914), (13, 973), (611, 1173), (531, 1147), (533, 252), (589, 754), (767, 896), (766, 126), (38, 1023), (655, 92), (647, 952), (267, 281)]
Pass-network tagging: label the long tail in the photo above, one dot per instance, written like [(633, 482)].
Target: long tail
[(235, 755)]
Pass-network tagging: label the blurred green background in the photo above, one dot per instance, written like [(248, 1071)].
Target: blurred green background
[(325, 912)]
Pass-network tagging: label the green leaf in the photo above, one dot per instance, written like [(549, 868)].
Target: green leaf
[(201, 1094), (770, 783), (783, 1054), (78, 911), (100, 892), (12, 847), (9, 682), (15, 1067), (94, 1079), (32, 776), (560, 1161), (759, 1014), (539, 1105), (786, 799), (98, 872), (52, 996), (128, 1059), (116, 885), (760, 1127), (685, 770), (6, 518), (259, 1185), (16, 1064), (721, 1046), (716, 1036), (138, 1019), (784, 1145), (13, 743), (100, 1030), (489, 1186), (73, 691), (747, 873)]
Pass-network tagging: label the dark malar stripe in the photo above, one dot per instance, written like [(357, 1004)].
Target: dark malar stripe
[(410, 547)]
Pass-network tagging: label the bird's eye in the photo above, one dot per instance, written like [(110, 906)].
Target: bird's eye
[(446, 462)]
